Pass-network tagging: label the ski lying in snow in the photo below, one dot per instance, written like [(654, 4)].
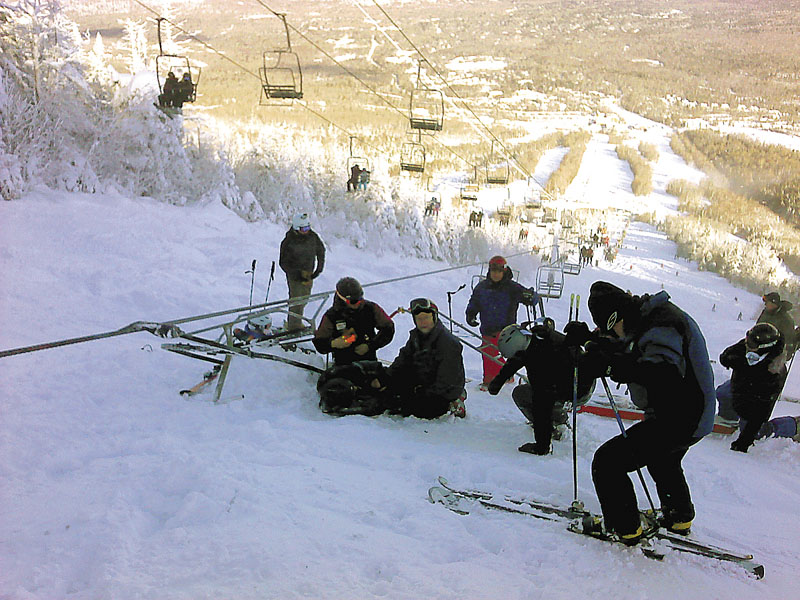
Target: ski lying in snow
[(458, 501), (462, 505), (635, 414), (208, 379)]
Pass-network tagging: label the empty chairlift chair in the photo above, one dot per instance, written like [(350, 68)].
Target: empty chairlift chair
[(280, 73), (550, 281)]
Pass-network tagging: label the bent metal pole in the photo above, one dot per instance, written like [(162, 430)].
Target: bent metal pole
[(170, 329)]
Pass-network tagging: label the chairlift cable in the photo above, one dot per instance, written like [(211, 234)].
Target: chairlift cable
[(369, 88), (195, 38), (508, 154)]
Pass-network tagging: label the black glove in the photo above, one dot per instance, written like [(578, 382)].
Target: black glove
[(529, 297), (623, 368), (495, 385), (577, 333), (595, 361), (472, 321)]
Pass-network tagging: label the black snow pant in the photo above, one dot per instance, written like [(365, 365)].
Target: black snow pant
[(540, 409), (753, 415), (652, 444)]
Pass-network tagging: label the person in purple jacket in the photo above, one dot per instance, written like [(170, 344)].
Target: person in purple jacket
[(496, 300)]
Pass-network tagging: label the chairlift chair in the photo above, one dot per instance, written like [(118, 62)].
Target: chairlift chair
[(426, 107), (412, 157), (281, 75), (496, 172), (550, 281), (469, 192), (178, 65)]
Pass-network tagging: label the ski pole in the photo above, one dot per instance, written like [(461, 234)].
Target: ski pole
[(252, 272), (450, 304), (625, 435), (576, 504), (269, 283)]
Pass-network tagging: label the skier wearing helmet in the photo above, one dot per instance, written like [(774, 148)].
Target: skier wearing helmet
[(758, 365), (548, 361), (496, 300), (427, 377), (302, 258), (353, 328)]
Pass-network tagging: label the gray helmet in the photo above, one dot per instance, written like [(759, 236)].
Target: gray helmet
[(513, 340)]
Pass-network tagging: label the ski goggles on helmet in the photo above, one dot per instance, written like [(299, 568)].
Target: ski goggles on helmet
[(419, 305), (350, 300)]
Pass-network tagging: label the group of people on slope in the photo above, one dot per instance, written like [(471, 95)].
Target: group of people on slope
[(645, 342), (176, 91)]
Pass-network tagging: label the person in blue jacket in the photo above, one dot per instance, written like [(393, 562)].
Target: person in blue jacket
[(659, 351), (496, 300)]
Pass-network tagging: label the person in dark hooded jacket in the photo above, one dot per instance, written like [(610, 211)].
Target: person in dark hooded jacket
[(496, 300), (302, 258), (427, 377), (777, 313), (758, 364), (550, 365), (353, 328), (660, 353)]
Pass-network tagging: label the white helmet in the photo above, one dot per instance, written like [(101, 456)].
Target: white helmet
[(263, 322), (300, 220), (513, 340)]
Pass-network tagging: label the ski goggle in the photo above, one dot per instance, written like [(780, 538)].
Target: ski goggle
[(354, 302), (304, 229), (419, 305)]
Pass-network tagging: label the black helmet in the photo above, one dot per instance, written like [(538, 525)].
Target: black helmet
[(419, 305), (349, 290), (762, 338), (542, 327)]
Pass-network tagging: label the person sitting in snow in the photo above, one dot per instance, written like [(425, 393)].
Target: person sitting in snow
[(427, 377), (659, 351), (550, 364), (781, 427), (758, 364), (496, 300), (353, 328)]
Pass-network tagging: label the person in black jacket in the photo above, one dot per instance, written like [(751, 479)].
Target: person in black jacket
[(758, 364), (353, 328), (167, 97), (302, 258), (427, 377), (660, 353), (550, 365), (777, 313)]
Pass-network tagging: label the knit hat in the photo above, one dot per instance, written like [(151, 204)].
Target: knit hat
[(497, 262), (608, 304), (773, 297)]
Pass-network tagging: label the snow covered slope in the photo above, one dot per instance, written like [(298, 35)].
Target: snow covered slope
[(113, 486)]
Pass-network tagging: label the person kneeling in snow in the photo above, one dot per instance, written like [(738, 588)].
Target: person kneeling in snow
[(758, 364), (427, 377), (550, 366), (350, 390)]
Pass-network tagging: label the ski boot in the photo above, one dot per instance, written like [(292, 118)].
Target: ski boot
[(673, 523)]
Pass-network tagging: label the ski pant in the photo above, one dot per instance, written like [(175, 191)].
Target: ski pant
[(541, 410), (297, 287), (751, 417), (652, 444), (489, 348), (725, 402), (411, 399)]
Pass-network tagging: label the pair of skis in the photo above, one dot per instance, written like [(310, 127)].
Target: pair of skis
[(661, 541)]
